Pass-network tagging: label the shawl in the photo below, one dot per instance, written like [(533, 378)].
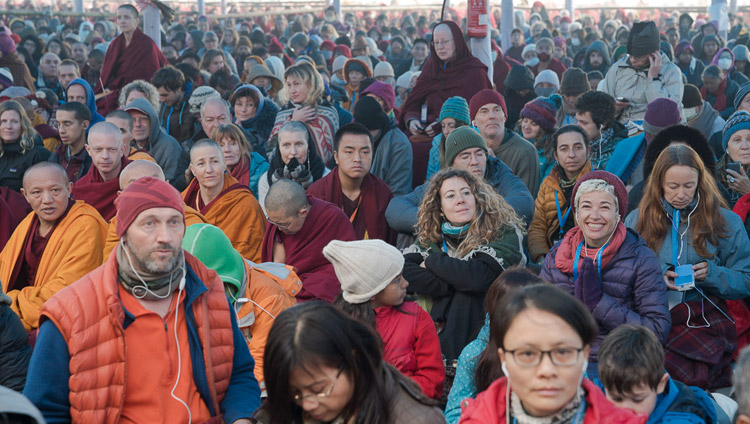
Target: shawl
[(304, 250), (721, 98), (500, 70), (6, 222), (564, 258), (241, 171), (92, 189), (374, 198), (464, 76), (17, 203)]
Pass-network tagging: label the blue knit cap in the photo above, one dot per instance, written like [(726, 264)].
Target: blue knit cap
[(741, 93), (457, 108), (739, 120)]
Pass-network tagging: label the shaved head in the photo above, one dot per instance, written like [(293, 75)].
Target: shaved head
[(108, 130), (206, 142), (138, 169), (286, 197), (50, 169)]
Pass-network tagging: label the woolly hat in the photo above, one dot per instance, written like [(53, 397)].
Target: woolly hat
[(528, 48), (543, 110), (739, 120), (661, 113), (741, 93), (691, 97), (200, 95), (643, 39), (6, 78), (356, 65), (212, 247), (404, 79), (364, 267), (383, 69), (574, 82), (455, 107), (368, 112), (682, 47), (560, 42), (519, 78), (741, 52), (620, 191), (460, 139), (484, 97), (14, 91), (275, 46), (145, 193), (548, 76), (360, 43), (384, 91), (339, 63), (327, 45), (7, 45)]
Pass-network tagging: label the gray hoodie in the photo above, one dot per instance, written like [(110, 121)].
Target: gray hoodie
[(167, 151)]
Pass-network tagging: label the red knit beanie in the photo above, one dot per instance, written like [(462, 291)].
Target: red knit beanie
[(484, 97), (620, 191), (145, 193)]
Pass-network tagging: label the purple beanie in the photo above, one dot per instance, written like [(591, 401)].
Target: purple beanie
[(543, 111), (660, 114), (620, 191), (7, 45), (384, 91)]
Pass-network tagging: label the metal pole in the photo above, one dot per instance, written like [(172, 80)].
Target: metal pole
[(570, 8), (152, 24), (201, 7), (733, 6), (481, 48), (718, 12), (223, 7), (506, 23), (337, 5), (78, 6)]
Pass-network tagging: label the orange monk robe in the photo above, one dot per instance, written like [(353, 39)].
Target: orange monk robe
[(192, 216), (136, 154), (74, 249), (236, 212)]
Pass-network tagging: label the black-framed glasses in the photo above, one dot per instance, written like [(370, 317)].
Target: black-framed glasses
[(530, 357), (300, 398)]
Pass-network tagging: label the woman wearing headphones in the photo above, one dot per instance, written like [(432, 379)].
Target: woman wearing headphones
[(606, 266), (545, 336), (705, 258)]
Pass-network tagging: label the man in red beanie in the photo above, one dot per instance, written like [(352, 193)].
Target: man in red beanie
[(96, 358), (488, 114)]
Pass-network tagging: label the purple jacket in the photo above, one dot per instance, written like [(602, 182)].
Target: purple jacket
[(633, 290)]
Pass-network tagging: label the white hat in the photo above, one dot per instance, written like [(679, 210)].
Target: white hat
[(338, 63), (528, 48), (403, 80), (549, 76), (364, 267), (383, 69)]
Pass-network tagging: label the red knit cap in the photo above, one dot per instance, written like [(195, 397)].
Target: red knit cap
[(620, 191), (484, 97), (145, 193)]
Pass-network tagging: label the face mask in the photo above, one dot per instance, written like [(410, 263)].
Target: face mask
[(725, 64), (544, 91), (327, 54), (532, 62), (575, 41), (543, 57), (691, 112), (337, 81)]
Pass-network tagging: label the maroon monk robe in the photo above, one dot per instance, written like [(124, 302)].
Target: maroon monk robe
[(93, 190), (18, 205), (241, 171), (368, 214), (124, 64), (6, 222), (304, 250)]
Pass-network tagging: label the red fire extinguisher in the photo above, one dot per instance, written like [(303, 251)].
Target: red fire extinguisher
[(477, 18)]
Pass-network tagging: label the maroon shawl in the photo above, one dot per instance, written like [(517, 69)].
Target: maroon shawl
[(18, 69), (6, 222), (374, 198), (465, 76), (304, 250), (93, 190), (500, 70), (125, 64), (241, 172), (18, 205)]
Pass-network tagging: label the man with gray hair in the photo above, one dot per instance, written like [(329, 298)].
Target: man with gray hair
[(48, 77), (214, 112)]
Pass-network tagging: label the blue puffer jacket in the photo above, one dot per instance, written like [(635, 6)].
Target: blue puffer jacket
[(633, 291), (682, 404)]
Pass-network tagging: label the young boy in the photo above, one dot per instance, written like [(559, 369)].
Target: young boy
[(631, 368)]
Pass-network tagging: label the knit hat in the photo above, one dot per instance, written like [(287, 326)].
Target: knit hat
[(560, 42), (741, 52), (38, 101), (574, 82), (455, 107), (620, 191), (327, 45), (543, 110), (14, 91), (6, 78), (355, 65), (528, 48), (200, 95), (368, 112), (364, 267), (683, 46), (643, 39), (7, 45), (519, 78), (383, 69), (360, 43), (460, 139), (661, 113), (404, 79), (691, 97), (547, 76), (739, 120), (275, 46), (484, 97), (741, 93), (145, 193), (384, 91), (212, 247), (339, 63)]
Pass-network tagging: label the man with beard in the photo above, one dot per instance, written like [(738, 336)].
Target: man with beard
[(112, 319), (574, 83)]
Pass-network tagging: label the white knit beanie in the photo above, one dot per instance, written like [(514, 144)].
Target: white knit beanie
[(339, 62), (364, 267)]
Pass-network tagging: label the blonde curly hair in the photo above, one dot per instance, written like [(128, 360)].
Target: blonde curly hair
[(27, 129)]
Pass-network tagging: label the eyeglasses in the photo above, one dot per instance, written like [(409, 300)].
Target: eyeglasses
[(442, 43), (279, 225), (300, 399), (528, 357), (64, 125)]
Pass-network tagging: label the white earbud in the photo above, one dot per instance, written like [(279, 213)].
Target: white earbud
[(505, 370)]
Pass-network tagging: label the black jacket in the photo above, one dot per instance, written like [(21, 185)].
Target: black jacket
[(15, 350), (13, 163)]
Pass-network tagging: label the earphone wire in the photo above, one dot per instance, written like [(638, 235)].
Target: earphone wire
[(179, 355)]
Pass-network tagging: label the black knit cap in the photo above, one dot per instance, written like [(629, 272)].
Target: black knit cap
[(643, 39), (368, 112)]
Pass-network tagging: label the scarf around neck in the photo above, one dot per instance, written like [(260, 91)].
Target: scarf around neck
[(564, 416), (565, 256), (156, 286)]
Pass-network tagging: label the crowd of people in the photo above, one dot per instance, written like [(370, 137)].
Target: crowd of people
[(308, 219)]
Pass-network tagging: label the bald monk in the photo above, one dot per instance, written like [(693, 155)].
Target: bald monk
[(55, 245), (299, 226), (224, 202), (99, 187), (124, 122), (139, 169)]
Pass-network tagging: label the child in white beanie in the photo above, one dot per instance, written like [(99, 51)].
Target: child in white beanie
[(373, 290)]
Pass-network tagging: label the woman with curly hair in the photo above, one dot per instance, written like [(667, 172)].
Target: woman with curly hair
[(18, 152), (139, 89), (467, 236)]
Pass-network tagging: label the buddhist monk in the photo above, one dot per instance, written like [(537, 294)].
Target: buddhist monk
[(299, 226), (135, 170), (55, 245), (223, 201), (352, 187), (99, 187), (124, 122)]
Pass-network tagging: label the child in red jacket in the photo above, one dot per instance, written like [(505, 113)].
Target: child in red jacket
[(373, 290)]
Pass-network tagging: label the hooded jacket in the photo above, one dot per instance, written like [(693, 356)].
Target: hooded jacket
[(350, 90), (599, 47), (258, 128), (177, 120), (90, 100), (163, 147), (392, 159)]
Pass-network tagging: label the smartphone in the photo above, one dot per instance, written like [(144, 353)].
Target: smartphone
[(622, 99), (734, 166)]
